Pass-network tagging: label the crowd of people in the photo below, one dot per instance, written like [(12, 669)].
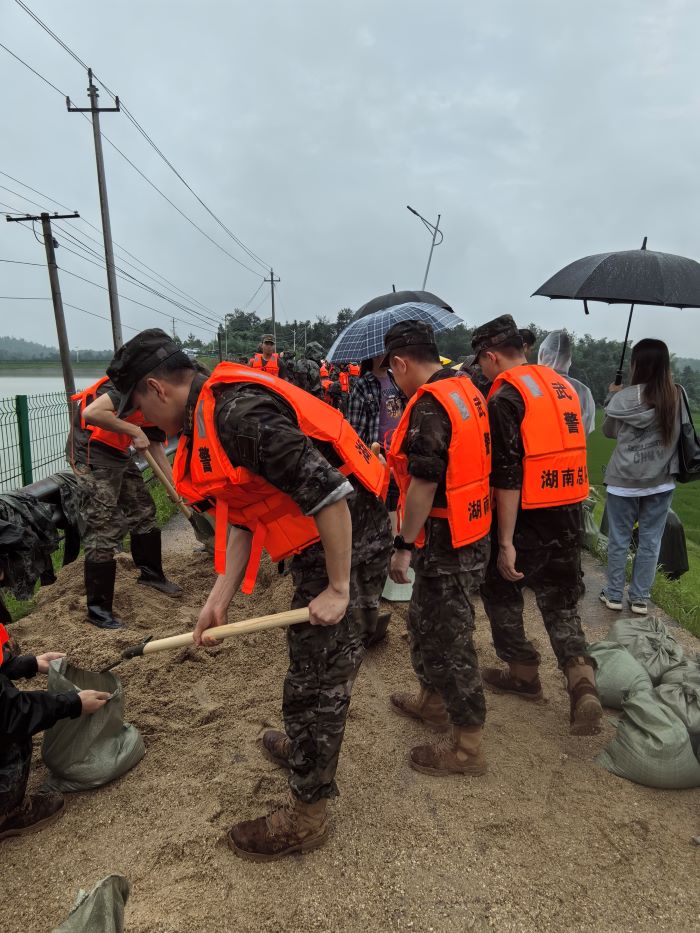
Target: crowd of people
[(474, 477)]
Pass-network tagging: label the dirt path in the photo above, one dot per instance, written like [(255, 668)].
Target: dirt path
[(547, 841)]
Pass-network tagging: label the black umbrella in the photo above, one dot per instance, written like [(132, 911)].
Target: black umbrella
[(638, 276), (399, 298)]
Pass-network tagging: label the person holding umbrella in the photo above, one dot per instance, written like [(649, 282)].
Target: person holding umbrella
[(539, 480)]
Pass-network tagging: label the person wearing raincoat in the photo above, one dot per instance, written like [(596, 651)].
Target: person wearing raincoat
[(555, 352)]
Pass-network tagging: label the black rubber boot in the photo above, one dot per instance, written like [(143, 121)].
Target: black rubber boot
[(99, 589), (374, 626), (146, 551)]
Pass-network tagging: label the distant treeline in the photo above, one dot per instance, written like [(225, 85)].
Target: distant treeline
[(15, 348)]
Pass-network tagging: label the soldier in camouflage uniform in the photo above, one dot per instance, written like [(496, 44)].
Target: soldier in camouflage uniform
[(258, 430), (306, 371), (535, 547), (441, 615)]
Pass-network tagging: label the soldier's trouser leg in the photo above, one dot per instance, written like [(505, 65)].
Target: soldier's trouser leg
[(441, 628), (135, 501), (372, 543), (102, 520), (15, 763), (504, 604), (323, 664)]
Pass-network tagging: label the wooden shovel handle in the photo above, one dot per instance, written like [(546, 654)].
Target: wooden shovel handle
[(169, 488), (259, 624)]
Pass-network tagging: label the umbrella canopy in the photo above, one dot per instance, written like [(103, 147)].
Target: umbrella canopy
[(364, 338), (399, 298), (633, 276)]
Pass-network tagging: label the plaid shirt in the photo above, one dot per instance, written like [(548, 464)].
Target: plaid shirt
[(363, 407)]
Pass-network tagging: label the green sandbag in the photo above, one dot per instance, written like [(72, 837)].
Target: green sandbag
[(651, 746), (90, 751), (100, 910), (688, 671), (617, 673), (684, 700), (649, 641)]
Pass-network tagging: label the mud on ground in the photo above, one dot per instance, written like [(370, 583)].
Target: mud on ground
[(546, 841)]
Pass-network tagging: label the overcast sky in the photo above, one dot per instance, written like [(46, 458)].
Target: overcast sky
[(541, 131)]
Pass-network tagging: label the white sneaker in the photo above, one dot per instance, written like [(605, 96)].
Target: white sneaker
[(639, 606), (611, 604)]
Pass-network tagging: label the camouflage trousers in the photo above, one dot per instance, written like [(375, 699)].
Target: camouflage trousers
[(15, 762), (324, 660), (440, 631), (554, 575), (113, 501)]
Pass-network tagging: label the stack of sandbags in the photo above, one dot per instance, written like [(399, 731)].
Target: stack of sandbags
[(658, 735)]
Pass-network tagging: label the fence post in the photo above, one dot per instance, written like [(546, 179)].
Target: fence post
[(25, 447)]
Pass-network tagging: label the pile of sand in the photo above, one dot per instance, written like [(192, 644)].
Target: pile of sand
[(545, 841)]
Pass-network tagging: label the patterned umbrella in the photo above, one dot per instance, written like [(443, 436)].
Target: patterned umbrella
[(364, 338)]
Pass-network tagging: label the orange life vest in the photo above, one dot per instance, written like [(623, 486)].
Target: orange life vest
[(323, 370), (354, 369), (344, 380), (555, 469), (469, 460), (271, 366), (203, 471), (119, 441)]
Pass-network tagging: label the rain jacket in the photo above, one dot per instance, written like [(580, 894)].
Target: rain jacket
[(640, 459), (555, 352)]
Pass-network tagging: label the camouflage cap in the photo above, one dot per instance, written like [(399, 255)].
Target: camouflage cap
[(408, 334), (138, 357), (269, 338), (314, 351), (494, 333)]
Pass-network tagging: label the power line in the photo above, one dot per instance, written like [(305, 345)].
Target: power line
[(51, 33), (33, 70), (21, 262)]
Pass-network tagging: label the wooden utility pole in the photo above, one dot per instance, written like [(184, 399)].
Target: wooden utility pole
[(273, 281), (61, 332), (95, 110)]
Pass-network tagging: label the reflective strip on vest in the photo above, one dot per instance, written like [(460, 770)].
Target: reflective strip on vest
[(270, 366), (467, 490), (555, 468), (204, 471)]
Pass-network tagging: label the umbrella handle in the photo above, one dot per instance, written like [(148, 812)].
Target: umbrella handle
[(618, 377)]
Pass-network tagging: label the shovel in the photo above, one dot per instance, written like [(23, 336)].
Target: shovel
[(246, 627), (203, 529)]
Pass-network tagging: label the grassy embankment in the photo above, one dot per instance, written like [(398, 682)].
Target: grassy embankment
[(679, 598), (49, 367)]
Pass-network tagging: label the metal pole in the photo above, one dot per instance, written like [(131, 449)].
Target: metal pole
[(25, 440), (430, 254), (61, 332), (618, 377), (272, 290)]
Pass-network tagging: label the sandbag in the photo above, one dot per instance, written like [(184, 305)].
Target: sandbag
[(649, 641), (100, 910), (688, 671), (684, 700), (651, 746), (90, 751), (617, 673)]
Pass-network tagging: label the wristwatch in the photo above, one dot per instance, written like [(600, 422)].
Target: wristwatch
[(401, 545)]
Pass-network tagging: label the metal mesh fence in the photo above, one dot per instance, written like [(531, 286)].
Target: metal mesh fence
[(33, 432)]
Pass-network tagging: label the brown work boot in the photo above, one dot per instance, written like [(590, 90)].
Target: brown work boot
[(294, 827), (586, 712), (276, 747), (427, 707), (522, 680), (32, 815), (458, 753)]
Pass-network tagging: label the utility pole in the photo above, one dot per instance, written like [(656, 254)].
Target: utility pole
[(95, 110), (434, 229), (174, 334), (61, 332), (272, 280)]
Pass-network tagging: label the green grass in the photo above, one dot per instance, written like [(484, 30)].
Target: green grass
[(679, 598), (165, 509), (50, 367)]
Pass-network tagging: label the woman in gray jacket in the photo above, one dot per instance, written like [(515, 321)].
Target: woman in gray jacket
[(644, 418)]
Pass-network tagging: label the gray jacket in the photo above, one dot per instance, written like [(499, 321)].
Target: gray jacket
[(640, 459)]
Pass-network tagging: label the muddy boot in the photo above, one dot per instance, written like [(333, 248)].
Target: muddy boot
[(294, 827), (427, 707), (146, 551), (99, 588), (276, 747), (374, 626), (458, 753), (32, 815), (522, 680), (586, 712)]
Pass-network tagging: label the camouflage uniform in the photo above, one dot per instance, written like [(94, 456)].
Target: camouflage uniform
[(307, 370), (258, 430), (548, 546), (113, 497), (441, 615)]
